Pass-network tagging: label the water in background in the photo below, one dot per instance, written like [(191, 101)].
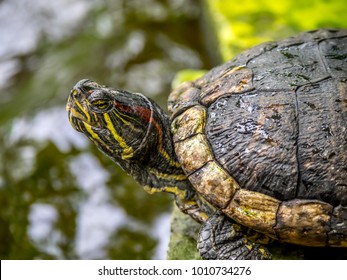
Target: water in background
[(59, 197)]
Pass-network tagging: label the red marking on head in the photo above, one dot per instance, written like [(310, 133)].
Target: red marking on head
[(142, 112)]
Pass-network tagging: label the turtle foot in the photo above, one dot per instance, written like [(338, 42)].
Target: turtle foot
[(223, 239)]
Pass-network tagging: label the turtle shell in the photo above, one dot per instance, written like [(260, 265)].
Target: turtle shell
[(263, 137)]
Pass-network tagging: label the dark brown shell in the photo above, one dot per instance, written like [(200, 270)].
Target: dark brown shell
[(279, 125), (266, 134)]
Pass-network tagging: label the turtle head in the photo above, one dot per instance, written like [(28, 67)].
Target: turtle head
[(116, 121), (129, 128)]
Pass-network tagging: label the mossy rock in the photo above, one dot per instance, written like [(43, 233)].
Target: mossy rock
[(184, 231)]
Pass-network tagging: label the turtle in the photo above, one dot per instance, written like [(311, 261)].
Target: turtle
[(255, 150)]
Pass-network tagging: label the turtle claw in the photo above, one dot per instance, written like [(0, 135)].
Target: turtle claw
[(223, 239)]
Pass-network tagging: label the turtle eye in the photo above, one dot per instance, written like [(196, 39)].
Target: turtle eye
[(101, 105)]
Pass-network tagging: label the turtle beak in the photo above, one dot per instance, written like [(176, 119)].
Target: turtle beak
[(74, 109), (77, 105), (69, 104), (79, 92)]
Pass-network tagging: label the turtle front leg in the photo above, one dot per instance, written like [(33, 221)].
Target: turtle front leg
[(222, 238), (192, 207), (186, 200)]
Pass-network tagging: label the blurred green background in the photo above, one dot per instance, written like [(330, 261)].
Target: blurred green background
[(59, 197)]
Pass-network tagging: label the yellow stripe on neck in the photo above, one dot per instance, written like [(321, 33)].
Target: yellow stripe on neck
[(168, 158), (127, 151), (173, 177), (95, 137), (174, 190)]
